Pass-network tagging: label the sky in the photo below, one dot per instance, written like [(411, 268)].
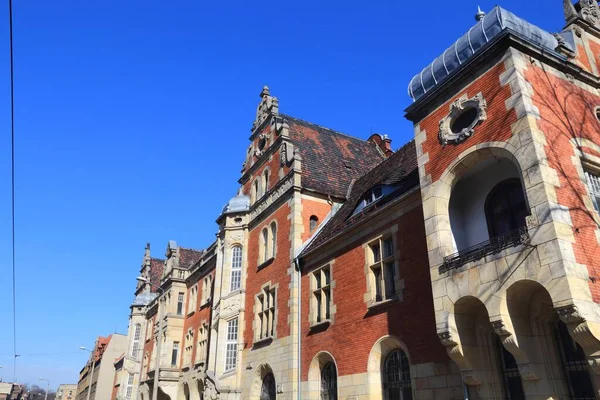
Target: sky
[(132, 120)]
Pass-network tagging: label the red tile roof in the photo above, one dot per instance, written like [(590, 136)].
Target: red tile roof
[(157, 267), (331, 160), (189, 257), (400, 170)]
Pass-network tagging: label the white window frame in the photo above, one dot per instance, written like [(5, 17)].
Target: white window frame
[(266, 313), (135, 344), (129, 386), (231, 345), (235, 279), (592, 179)]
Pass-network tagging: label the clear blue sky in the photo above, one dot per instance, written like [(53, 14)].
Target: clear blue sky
[(132, 120)]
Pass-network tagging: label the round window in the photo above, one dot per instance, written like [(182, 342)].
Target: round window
[(464, 120)]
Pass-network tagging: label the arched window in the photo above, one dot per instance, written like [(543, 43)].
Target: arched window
[(505, 208), (236, 268), (265, 245), (267, 391), (329, 382), (574, 364), (314, 221), (266, 180), (510, 373), (396, 376), (135, 347), (273, 239)]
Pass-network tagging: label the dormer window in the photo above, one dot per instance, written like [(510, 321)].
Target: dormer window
[(372, 196)]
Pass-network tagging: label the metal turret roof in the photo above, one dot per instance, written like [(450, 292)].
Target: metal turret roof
[(488, 27)]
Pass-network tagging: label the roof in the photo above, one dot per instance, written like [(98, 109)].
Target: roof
[(400, 170), (189, 257), (331, 160), (157, 267), (493, 24)]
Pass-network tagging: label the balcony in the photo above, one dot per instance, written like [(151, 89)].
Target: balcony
[(493, 246)]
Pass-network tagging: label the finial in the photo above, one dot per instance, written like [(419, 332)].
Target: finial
[(265, 91), (480, 14)]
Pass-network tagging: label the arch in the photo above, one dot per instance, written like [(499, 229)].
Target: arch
[(235, 277), (382, 347), (200, 388), (395, 377), (313, 223), (264, 245), (265, 179), (315, 369), (257, 381), (505, 207), (273, 244)]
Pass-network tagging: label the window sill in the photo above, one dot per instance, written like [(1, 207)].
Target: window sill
[(199, 363), (263, 341), (228, 373), (320, 324), (191, 313), (206, 303), (265, 264), (382, 303)]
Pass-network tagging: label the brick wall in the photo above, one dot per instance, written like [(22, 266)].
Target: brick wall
[(496, 128), (200, 315), (354, 330), (567, 112), (319, 208)]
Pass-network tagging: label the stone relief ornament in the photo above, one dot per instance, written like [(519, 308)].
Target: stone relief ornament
[(210, 391), (268, 105), (465, 114)]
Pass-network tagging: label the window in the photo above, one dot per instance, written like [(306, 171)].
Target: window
[(265, 245), (129, 387), (231, 349), (206, 290), (396, 376), (505, 208), (149, 328), (191, 306), (266, 314), (236, 268), (464, 120), (383, 268), (175, 354), (180, 303), (202, 343), (189, 345), (593, 181), (135, 347), (273, 239), (314, 222), (510, 373), (266, 181), (256, 190), (267, 391), (321, 298), (329, 382), (372, 196), (574, 363)]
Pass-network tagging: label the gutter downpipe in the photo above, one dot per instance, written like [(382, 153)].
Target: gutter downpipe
[(297, 265)]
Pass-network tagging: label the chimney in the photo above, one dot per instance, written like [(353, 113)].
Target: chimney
[(383, 142)]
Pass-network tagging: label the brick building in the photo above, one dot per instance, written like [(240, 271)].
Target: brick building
[(462, 265)]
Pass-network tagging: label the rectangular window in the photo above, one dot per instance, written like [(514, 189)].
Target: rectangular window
[(593, 181), (202, 344), (129, 388), (321, 300), (189, 345), (135, 348), (175, 354), (180, 303), (236, 268), (383, 268), (266, 314), (231, 349)]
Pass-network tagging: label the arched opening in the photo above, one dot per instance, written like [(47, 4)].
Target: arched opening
[(545, 339), (488, 198), (268, 390), (388, 370), (266, 180), (186, 392), (493, 365), (200, 384), (395, 377), (273, 239), (322, 378), (314, 222), (236, 268)]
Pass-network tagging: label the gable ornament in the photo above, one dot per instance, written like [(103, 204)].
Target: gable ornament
[(464, 116)]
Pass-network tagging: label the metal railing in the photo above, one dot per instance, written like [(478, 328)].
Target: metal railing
[(492, 246)]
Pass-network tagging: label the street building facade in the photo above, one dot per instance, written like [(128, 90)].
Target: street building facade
[(462, 265), (66, 391)]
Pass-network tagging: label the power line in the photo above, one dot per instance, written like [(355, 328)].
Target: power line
[(12, 171)]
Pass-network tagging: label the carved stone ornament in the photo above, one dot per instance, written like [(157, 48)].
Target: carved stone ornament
[(272, 197), (231, 305), (267, 106), (470, 378), (499, 328), (569, 314), (210, 391), (448, 133), (286, 154), (590, 11)]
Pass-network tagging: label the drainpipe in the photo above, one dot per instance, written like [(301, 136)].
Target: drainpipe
[(297, 265)]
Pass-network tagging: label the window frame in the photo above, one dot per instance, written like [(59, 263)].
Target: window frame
[(231, 345), (202, 347), (329, 387), (180, 303), (129, 386), (379, 283), (175, 354), (402, 373), (235, 277), (592, 184), (265, 314), (135, 343), (321, 287)]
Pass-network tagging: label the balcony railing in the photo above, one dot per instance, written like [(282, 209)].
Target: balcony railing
[(492, 246)]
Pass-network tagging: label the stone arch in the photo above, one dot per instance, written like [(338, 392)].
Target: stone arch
[(379, 351), (144, 390), (261, 371), (200, 388), (314, 373)]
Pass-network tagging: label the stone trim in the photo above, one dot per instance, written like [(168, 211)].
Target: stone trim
[(457, 108), (312, 312)]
